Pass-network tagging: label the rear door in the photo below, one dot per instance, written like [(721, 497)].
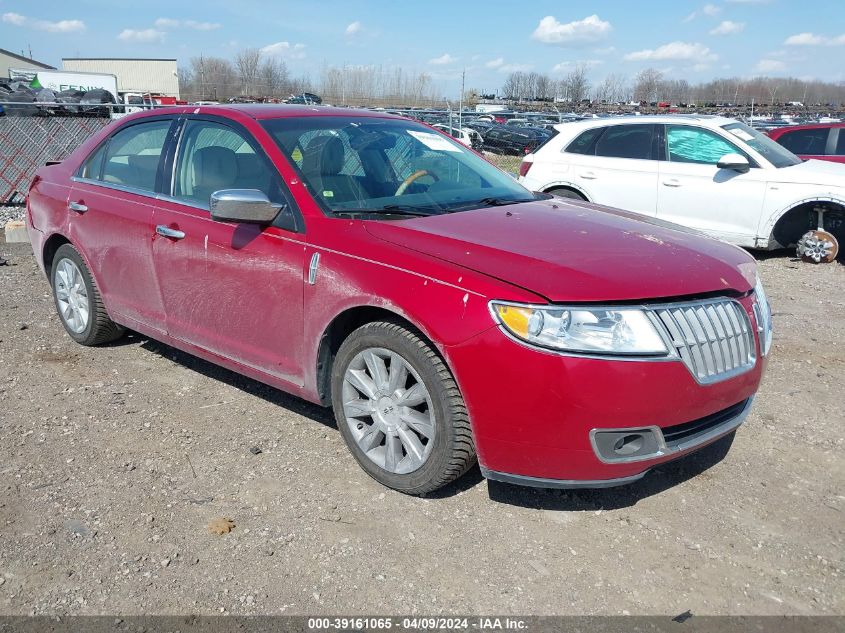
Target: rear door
[(233, 289), (620, 169), (694, 192), (112, 203)]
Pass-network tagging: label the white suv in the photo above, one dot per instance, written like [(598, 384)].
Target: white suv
[(713, 174)]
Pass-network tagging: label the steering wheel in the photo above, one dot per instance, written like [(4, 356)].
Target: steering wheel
[(411, 179)]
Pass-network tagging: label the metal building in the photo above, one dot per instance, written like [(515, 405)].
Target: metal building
[(133, 75), (8, 60)]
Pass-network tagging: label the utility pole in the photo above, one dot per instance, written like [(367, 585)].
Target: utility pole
[(461, 100)]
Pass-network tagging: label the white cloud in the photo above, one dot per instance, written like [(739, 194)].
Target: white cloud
[(710, 10), (14, 18), (605, 51), (443, 60), (727, 27), (354, 28), (167, 23), (567, 66), (285, 49), (770, 66), (495, 63), (673, 50), (141, 35), (811, 39), (62, 26), (170, 23), (748, 1), (578, 33), (514, 68)]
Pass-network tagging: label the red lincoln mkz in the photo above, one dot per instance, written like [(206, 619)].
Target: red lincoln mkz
[(370, 263)]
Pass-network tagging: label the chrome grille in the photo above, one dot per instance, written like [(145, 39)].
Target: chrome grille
[(714, 339)]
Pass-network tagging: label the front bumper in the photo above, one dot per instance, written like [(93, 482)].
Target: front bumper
[(535, 413), (672, 449)]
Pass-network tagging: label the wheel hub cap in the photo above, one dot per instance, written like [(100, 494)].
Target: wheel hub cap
[(388, 410)]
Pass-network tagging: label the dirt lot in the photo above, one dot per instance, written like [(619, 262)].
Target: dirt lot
[(114, 461)]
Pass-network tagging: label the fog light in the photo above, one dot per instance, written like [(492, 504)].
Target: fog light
[(628, 445), (625, 445)]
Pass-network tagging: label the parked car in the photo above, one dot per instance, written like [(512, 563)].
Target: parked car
[(366, 262), (465, 135), (822, 141), (306, 98), (515, 141), (713, 174)]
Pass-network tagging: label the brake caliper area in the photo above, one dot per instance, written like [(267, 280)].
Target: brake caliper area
[(818, 246)]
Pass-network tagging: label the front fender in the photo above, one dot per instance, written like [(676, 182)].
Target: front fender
[(768, 224)]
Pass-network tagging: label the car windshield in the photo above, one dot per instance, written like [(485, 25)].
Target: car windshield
[(776, 154), (369, 164)]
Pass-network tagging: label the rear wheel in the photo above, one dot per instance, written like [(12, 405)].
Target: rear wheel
[(560, 192), (399, 409), (78, 301)]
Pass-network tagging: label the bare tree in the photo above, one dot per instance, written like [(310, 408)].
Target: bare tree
[(577, 84), (247, 62), (272, 77), (647, 84)]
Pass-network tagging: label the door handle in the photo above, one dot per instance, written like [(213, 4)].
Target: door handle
[(672, 182), (166, 231), (77, 206), (588, 175)]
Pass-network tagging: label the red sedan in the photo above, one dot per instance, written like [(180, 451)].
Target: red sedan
[(822, 141), (369, 263)]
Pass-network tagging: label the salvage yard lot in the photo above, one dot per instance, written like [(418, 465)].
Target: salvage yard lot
[(115, 460)]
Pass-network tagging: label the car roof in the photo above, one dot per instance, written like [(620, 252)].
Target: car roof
[(779, 131), (263, 111), (706, 119)]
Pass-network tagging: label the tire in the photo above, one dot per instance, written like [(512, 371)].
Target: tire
[(560, 192), (417, 467), (97, 327)]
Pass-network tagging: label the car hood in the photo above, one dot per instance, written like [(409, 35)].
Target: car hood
[(812, 172), (577, 252)]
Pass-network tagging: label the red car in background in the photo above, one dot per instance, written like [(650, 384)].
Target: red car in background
[(822, 141), (369, 263)]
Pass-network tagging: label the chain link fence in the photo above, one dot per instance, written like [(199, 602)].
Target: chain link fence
[(28, 142)]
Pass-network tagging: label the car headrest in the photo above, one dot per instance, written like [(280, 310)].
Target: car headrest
[(215, 168)]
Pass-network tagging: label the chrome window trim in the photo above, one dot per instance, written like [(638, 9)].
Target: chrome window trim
[(146, 193)]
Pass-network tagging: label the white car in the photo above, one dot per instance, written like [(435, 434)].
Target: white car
[(713, 174), (465, 135)]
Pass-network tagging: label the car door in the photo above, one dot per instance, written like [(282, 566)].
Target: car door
[(620, 169), (233, 289), (695, 192), (112, 204)]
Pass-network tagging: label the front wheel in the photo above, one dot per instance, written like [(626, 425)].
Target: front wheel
[(399, 409), (78, 300)]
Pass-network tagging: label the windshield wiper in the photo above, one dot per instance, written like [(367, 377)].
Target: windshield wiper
[(393, 209)]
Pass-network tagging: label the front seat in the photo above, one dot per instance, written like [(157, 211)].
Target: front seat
[(214, 168), (321, 166)]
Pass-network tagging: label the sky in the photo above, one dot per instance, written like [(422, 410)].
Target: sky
[(692, 40)]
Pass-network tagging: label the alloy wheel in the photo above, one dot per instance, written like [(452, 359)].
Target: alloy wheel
[(72, 296)]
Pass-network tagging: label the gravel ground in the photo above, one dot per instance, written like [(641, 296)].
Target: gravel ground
[(10, 213), (116, 459)]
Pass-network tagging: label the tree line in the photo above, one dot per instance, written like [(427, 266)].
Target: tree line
[(251, 74), (651, 85)]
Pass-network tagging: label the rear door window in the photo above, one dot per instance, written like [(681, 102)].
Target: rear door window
[(626, 141), (132, 156)]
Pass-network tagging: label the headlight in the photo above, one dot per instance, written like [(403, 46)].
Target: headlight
[(763, 312), (586, 330)]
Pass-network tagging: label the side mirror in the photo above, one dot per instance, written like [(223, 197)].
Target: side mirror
[(242, 205), (736, 162)]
